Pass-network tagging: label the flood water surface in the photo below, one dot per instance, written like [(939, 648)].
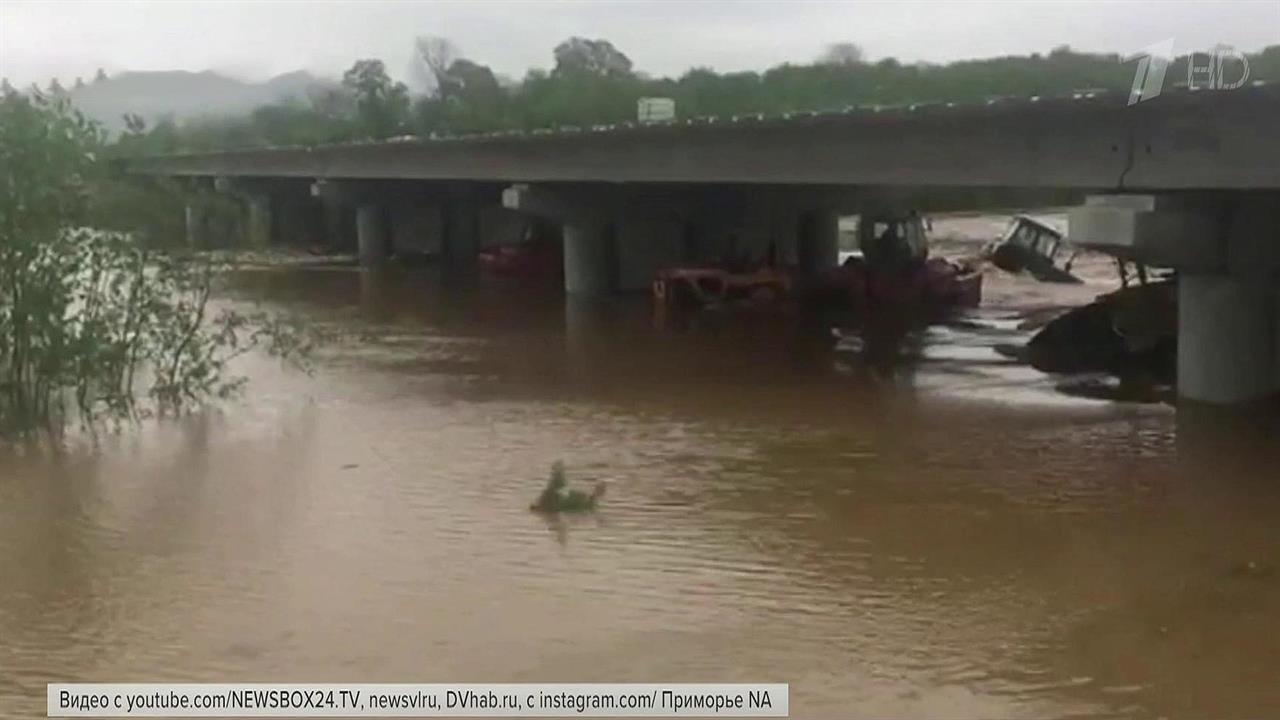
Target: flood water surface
[(906, 528)]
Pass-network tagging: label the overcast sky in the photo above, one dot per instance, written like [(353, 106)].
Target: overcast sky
[(256, 39)]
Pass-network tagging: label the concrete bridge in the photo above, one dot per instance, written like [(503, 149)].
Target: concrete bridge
[(1189, 179)]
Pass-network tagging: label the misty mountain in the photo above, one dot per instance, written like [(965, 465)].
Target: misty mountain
[(185, 95)]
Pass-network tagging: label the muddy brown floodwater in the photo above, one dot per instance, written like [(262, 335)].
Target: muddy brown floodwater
[(922, 530)]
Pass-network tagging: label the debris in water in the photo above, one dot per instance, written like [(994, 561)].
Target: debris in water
[(557, 497)]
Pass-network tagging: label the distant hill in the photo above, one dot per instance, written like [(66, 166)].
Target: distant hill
[(185, 95)]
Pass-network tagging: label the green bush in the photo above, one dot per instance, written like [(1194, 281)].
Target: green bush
[(100, 324)]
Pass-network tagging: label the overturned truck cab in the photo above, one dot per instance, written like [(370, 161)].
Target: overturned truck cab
[(1031, 246)]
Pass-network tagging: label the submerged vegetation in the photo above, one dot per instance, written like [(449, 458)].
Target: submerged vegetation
[(558, 497), (101, 316)]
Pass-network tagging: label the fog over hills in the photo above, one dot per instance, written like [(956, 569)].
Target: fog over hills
[(185, 95)]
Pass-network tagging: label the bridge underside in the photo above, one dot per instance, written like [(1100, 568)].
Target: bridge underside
[(1187, 180)]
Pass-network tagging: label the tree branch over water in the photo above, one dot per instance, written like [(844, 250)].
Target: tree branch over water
[(102, 324)]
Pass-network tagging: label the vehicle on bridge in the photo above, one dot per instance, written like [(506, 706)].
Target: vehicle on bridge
[(1034, 247)]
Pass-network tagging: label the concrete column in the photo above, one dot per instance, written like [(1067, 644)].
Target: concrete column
[(259, 226), (376, 293), (195, 220), (588, 258), (1228, 349), (586, 325), (818, 244), (371, 234)]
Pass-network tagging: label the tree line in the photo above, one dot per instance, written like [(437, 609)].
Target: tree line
[(592, 82)]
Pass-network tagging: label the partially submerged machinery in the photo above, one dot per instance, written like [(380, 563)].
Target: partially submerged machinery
[(1130, 333), (1029, 245), (893, 270), (711, 286)]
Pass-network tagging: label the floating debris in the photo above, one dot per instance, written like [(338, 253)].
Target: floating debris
[(557, 497)]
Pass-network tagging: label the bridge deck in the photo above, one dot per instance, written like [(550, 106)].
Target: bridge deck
[(1223, 139)]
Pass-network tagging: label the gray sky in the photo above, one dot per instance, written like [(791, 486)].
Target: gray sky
[(255, 39)]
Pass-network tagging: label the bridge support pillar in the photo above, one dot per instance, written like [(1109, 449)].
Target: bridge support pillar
[(371, 234), (258, 228), (1228, 338), (1225, 249), (196, 224), (818, 242), (589, 258)]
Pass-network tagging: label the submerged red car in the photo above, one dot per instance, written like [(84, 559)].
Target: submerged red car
[(526, 260)]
